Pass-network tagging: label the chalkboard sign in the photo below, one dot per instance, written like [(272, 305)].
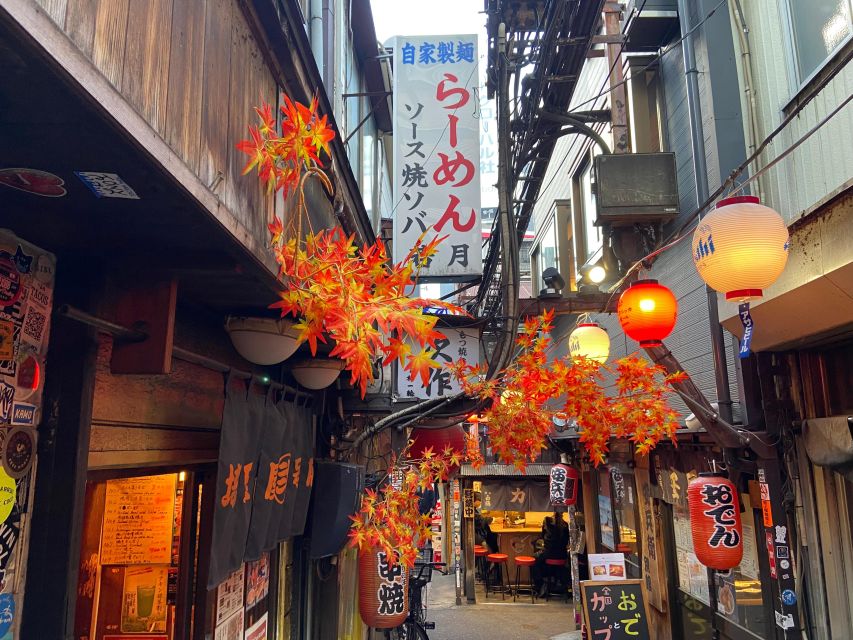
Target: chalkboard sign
[(615, 609)]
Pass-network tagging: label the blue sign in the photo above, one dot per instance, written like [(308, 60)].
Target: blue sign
[(746, 321), (789, 598), (7, 612), (23, 413)]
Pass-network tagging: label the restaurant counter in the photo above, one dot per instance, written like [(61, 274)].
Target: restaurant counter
[(516, 541)]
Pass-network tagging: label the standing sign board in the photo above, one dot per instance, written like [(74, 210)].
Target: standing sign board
[(437, 153), (615, 610)]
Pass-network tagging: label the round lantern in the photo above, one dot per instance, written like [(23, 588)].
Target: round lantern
[(563, 485), (383, 594), (715, 521), (740, 248), (647, 312), (590, 340), (438, 440)]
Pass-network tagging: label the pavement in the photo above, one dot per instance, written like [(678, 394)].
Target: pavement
[(494, 619)]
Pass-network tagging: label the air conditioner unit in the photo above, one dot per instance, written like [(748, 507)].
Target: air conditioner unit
[(636, 188)]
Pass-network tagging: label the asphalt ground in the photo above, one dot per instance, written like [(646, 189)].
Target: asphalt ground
[(496, 619)]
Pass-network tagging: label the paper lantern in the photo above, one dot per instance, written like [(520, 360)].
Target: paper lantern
[(383, 594), (438, 440), (563, 485), (740, 248), (591, 341), (715, 521), (647, 312)]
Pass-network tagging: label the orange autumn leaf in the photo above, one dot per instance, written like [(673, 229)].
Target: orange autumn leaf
[(421, 364)]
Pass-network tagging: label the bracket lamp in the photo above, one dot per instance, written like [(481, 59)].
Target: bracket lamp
[(317, 373), (263, 341)]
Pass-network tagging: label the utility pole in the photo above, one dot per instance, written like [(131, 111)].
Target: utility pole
[(618, 100)]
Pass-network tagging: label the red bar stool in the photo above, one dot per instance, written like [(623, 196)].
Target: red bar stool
[(500, 560), (560, 567), (524, 561), (480, 553)]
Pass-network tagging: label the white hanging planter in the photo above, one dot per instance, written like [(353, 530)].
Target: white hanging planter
[(263, 341), (318, 373)]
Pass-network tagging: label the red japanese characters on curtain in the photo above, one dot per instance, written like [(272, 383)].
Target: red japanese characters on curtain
[(383, 596), (715, 521), (563, 485)]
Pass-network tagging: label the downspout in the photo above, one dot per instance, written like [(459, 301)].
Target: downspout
[(748, 84), (700, 170), (316, 31)]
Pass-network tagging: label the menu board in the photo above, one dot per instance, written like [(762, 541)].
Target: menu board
[(138, 520), (615, 610)]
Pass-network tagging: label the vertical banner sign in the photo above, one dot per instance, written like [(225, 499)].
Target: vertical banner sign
[(437, 153), (458, 343)]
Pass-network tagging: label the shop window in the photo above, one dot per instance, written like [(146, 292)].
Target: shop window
[(626, 519), (589, 240), (544, 254), (739, 594), (817, 29)]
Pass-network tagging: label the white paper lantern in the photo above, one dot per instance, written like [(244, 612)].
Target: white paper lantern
[(590, 340), (740, 248)]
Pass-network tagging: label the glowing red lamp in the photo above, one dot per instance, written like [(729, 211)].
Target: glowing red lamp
[(647, 312), (715, 521)]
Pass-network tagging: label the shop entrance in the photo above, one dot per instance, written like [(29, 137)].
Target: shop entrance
[(139, 557)]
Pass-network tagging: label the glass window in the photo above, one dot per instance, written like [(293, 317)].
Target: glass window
[(627, 518), (819, 28), (739, 595), (592, 233), (605, 511), (545, 253)]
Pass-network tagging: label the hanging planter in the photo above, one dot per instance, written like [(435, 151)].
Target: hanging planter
[(740, 248), (563, 485), (263, 341), (383, 595), (438, 440), (715, 521), (647, 312), (317, 373), (590, 341)]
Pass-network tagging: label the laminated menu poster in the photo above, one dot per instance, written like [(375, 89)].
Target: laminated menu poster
[(138, 520), (231, 629), (144, 602), (229, 595), (615, 610), (606, 566), (257, 631)]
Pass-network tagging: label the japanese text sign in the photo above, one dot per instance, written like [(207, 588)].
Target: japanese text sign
[(615, 610), (437, 153), (457, 344)]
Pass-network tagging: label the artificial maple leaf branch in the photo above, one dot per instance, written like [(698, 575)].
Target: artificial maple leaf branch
[(525, 397), (334, 288), (389, 519)]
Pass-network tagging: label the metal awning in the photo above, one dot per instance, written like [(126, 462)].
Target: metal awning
[(504, 470)]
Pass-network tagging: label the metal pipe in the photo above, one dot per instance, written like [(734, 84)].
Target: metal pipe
[(700, 170), (127, 334), (748, 84)]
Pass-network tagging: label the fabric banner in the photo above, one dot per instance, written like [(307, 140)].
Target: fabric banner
[(493, 495), (304, 480), (538, 497), (267, 501), (239, 444)]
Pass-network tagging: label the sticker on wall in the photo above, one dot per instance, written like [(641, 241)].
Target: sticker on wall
[(23, 414), (8, 493), (107, 185), (7, 339), (29, 376), (40, 183), (7, 399), (18, 448), (11, 287), (7, 613)]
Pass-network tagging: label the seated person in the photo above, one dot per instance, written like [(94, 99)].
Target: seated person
[(483, 533), (555, 538)]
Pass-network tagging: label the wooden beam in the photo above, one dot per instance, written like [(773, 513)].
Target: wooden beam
[(573, 303), (150, 305)]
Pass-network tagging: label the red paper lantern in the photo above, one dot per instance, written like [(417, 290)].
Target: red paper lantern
[(647, 312), (383, 594), (437, 439), (715, 521), (563, 485)]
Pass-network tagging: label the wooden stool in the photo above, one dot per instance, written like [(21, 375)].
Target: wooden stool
[(524, 561), (499, 559)]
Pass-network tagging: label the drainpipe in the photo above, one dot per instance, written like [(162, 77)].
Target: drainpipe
[(700, 170), (748, 84), (316, 29)]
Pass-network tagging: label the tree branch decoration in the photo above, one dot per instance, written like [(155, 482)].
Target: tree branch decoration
[(335, 288), (526, 397), (389, 519)]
